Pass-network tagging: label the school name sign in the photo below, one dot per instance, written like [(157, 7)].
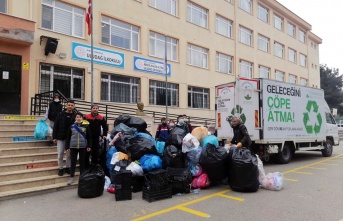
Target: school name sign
[(150, 66)]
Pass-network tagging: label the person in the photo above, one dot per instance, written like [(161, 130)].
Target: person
[(163, 130), (59, 133), (182, 124), (171, 124), (139, 111), (98, 127), (78, 141), (54, 108), (240, 134), (187, 122)]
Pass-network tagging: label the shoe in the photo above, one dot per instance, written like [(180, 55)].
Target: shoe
[(70, 181), (60, 172), (67, 170)]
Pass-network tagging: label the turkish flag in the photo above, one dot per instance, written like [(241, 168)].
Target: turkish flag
[(89, 17)]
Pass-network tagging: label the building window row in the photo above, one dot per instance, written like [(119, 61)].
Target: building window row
[(3, 6), (168, 6)]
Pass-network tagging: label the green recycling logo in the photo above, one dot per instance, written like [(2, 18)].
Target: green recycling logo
[(312, 110), (236, 110)]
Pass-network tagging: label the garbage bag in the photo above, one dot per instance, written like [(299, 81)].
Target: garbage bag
[(213, 161), (91, 182), (160, 147), (243, 170), (201, 182), (173, 157), (118, 166), (124, 129), (150, 162), (139, 146), (175, 137), (132, 121), (199, 133), (196, 169), (136, 169), (189, 142), (273, 181), (261, 173), (193, 156), (117, 156), (109, 156), (147, 136), (210, 140), (122, 143), (41, 130)]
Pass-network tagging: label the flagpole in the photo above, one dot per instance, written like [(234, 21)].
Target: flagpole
[(92, 82), (166, 73)]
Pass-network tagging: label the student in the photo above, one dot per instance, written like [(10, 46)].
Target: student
[(79, 141), (182, 124), (240, 134), (185, 118), (54, 108), (163, 130)]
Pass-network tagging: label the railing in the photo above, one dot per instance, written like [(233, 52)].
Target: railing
[(40, 102)]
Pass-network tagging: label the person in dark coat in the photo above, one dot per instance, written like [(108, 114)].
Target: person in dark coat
[(181, 123), (54, 108), (163, 130), (240, 134)]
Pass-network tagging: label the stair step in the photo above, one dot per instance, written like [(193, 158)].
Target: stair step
[(19, 122), (23, 165), (24, 138), (37, 143), (21, 117), (34, 182), (27, 157), (9, 127), (35, 190), (6, 133), (27, 150)]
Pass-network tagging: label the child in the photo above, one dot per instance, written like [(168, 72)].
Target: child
[(79, 141)]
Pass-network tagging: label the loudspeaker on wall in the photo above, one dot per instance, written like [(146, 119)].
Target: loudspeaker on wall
[(51, 46)]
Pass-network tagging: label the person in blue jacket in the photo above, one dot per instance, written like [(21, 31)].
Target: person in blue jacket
[(163, 130)]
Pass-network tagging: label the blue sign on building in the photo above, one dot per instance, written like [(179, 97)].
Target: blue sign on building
[(150, 66)]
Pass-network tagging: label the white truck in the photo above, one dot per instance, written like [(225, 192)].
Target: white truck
[(281, 118)]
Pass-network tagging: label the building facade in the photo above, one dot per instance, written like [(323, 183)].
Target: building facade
[(45, 46)]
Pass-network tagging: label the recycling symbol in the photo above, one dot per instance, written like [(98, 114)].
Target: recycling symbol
[(236, 110), (312, 118)]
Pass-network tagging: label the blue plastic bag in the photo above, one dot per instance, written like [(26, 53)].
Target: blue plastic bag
[(150, 162), (210, 140), (41, 130), (160, 147), (109, 156)]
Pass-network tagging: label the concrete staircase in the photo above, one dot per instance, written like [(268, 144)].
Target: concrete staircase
[(27, 166)]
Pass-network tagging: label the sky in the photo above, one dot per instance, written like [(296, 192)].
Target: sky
[(326, 18)]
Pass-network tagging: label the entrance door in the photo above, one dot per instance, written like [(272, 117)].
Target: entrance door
[(10, 83)]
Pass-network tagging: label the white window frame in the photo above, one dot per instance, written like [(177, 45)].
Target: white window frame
[(246, 5), (120, 29), (263, 43), (303, 82), (278, 22), (264, 72), (59, 10), (157, 46), (263, 13), (193, 10), (292, 79), (302, 60), (279, 76), (3, 6), (167, 6), (279, 49), (197, 56), (302, 36), (223, 63), (202, 97), (172, 90), (223, 26), (291, 30), (245, 36), (292, 55), (245, 68)]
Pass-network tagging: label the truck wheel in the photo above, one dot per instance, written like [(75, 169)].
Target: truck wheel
[(327, 151), (285, 155)]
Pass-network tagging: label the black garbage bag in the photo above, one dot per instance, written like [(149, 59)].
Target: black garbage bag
[(132, 121), (91, 182), (122, 143), (139, 146), (213, 161), (173, 157), (175, 137), (124, 129), (243, 170), (117, 167)]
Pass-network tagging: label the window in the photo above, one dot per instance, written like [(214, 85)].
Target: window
[(224, 63), (279, 76), (278, 50), (168, 6), (291, 30), (157, 93), (303, 82), (245, 5), (197, 15), (245, 36), (278, 22), (302, 36), (157, 46), (119, 88), (3, 6), (263, 71), (197, 56), (198, 97), (292, 55), (70, 81), (245, 69), (302, 60), (119, 34), (263, 13), (263, 43), (223, 26), (292, 79)]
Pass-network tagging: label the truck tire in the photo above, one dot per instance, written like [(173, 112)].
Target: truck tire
[(327, 151), (285, 155)]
